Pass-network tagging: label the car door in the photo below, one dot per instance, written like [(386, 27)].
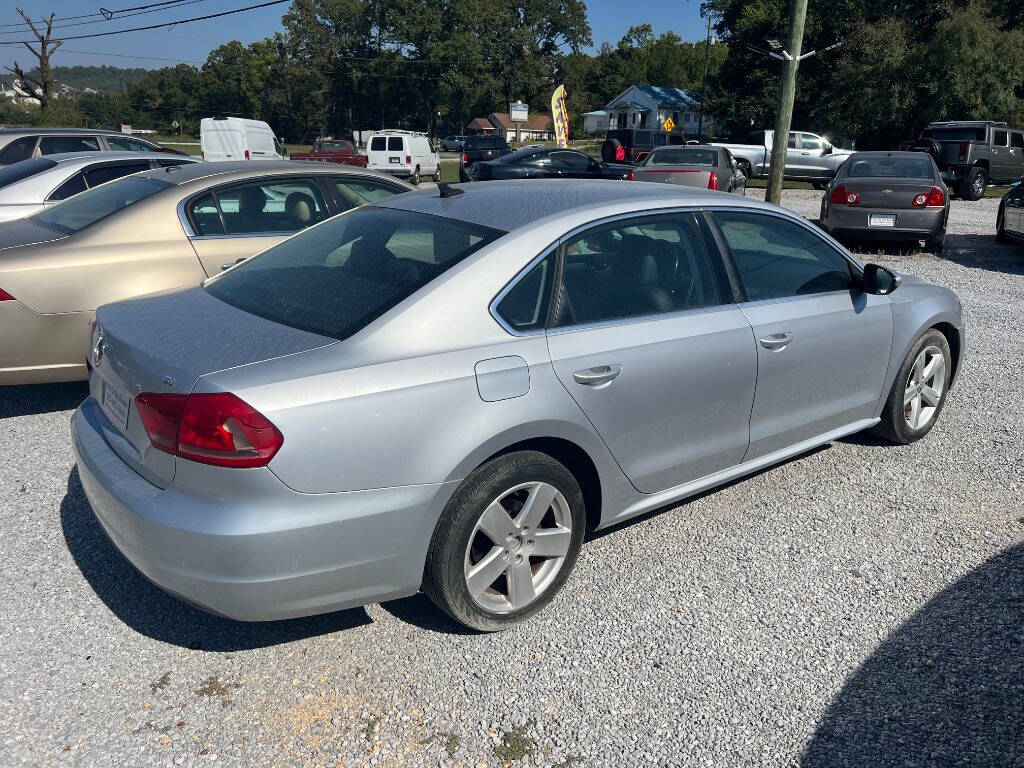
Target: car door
[(822, 346), (1013, 211), (232, 222), (1016, 158), (571, 165), (648, 341), (812, 160), (1001, 165), (794, 165)]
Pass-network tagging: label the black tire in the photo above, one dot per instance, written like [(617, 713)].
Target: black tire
[(931, 146), (819, 185), (415, 178), (608, 149), (1001, 236), (744, 167), (894, 425), (437, 174), (445, 580), (973, 185)]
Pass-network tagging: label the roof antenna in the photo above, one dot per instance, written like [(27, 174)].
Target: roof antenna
[(447, 190)]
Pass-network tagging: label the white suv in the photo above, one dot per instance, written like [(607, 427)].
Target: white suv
[(403, 153)]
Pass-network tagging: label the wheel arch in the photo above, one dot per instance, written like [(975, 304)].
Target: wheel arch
[(953, 338)]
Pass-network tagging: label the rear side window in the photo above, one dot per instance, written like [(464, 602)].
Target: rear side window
[(19, 149), (24, 169), (776, 257), (342, 275), (394, 143), (72, 186), (573, 161), (954, 134), (123, 144), (52, 145), (352, 193), (999, 138), (92, 205), (105, 173), (635, 268), (274, 205), (525, 306), (1017, 139), (205, 216), (378, 144)]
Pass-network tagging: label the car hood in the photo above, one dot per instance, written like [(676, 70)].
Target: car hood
[(14, 234)]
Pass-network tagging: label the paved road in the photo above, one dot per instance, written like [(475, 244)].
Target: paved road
[(859, 606)]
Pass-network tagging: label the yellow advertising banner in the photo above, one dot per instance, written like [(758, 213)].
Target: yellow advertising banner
[(560, 116)]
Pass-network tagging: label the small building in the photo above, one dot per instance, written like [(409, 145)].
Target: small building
[(536, 128), (595, 122), (649, 106), (480, 125)]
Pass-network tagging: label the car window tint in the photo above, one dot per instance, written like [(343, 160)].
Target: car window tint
[(277, 205), (18, 150), (643, 139), (811, 142), (87, 208), (355, 192), (576, 161), (340, 276), (205, 217), (777, 257), (525, 306), (862, 166), (72, 186), (999, 138), (52, 145), (378, 143), (635, 268), (105, 173), (394, 143), (123, 144), (1017, 139), (684, 156)]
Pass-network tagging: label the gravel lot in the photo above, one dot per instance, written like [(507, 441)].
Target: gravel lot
[(860, 606)]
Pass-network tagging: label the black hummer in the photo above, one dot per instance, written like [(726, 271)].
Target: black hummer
[(973, 153)]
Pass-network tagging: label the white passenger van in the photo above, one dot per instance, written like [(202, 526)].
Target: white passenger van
[(235, 138), (403, 153)]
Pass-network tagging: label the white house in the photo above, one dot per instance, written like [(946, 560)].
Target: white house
[(595, 122), (649, 106), (537, 126)]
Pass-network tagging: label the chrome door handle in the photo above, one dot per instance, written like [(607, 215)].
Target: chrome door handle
[(599, 374), (776, 340)]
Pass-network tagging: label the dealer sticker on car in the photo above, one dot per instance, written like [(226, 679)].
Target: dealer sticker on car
[(882, 220), (114, 400)]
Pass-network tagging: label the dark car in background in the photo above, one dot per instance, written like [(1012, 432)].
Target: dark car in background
[(972, 154), (632, 145), (546, 163), (479, 148), (1010, 219), (17, 144), (887, 196)]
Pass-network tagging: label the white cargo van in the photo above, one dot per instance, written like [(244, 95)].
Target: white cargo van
[(235, 138), (403, 153)]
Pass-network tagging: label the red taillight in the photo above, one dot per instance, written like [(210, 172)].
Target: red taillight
[(630, 176), (465, 159), (247, 154), (963, 151), (218, 428), (840, 196), (202, 153), (408, 159), (936, 197), (5, 296), (712, 180)]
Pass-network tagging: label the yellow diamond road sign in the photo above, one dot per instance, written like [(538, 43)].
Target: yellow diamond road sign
[(669, 124)]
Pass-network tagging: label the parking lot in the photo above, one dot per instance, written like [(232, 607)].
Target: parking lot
[(862, 605)]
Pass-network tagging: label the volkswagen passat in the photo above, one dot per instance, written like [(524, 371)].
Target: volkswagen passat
[(441, 391)]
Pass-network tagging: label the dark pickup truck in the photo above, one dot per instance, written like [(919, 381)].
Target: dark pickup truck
[(478, 148), (973, 153), (332, 151)]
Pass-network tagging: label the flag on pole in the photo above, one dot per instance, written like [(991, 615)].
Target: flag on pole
[(560, 116)]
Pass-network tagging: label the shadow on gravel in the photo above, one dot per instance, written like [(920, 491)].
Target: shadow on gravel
[(947, 688), (31, 399), (152, 612), (983, 252), (420, 612)]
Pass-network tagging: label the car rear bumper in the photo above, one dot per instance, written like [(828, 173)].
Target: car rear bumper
[(40, 348), (263, 554), (853, 222)]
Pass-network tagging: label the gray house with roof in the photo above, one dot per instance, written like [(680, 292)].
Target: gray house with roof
[(649, 106)]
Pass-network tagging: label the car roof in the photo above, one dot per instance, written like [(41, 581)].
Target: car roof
[(231, 169), (890, 153), (84, 158), (511, 205), (42, 130)]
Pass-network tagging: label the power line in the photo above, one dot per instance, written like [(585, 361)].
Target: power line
[(104, 20), (103, 13), (128, 56), (156, 26)]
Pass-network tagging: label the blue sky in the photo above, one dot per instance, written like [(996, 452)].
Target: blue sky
[(192, 42)]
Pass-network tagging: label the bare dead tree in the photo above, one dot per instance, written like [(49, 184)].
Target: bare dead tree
[(47, 45)]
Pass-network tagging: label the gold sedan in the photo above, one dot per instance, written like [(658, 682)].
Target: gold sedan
[(149, 232)]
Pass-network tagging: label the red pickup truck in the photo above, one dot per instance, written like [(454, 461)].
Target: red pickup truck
[(332, 151)]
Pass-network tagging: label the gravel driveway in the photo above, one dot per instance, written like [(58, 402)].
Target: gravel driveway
[(860, 606)]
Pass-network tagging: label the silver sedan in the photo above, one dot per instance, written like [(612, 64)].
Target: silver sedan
[(441, 391)]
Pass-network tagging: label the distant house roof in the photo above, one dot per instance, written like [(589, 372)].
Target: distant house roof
[(674, 98), (626, 105), (480, 124), (535, 122), (595, 113)]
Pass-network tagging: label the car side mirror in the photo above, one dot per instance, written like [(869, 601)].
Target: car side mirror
[(879, 280), (827, 149)]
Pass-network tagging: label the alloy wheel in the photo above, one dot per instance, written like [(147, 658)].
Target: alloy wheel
[(979, 184), (923, 393), (517, 547)]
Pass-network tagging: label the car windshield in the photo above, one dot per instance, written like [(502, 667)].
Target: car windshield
[(861, 167), (86, 208), (24, 169), (954, 134), (683, 156), (337, 277)]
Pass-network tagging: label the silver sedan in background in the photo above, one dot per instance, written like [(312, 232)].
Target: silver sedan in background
[(444, 389), (29, 186), (703, 165)]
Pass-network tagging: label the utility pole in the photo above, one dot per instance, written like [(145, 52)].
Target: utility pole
[(787, 94), (704, 80), (46, 48)]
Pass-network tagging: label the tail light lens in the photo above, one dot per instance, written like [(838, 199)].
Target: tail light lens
[(465, 159), (631, 176), (5, 296), (840, 196), (713, 180), (247, 154), (936, 197), (963, 151), (202, 154), (218, 428), (408, 159)]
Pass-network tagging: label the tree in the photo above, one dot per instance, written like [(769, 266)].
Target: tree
[(47, 46)]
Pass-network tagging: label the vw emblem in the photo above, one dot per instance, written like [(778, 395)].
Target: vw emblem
[(98, 349)]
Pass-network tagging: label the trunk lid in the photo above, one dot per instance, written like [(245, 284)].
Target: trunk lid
[(891, 194), (165, 343), (678, 174)]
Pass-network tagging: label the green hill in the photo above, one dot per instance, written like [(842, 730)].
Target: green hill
[(104, 79)]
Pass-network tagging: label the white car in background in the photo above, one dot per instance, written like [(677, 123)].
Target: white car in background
[(237, 138), (403, 153), (32, 185)]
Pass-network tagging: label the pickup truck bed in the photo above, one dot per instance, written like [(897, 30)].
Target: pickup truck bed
[(332, 151)]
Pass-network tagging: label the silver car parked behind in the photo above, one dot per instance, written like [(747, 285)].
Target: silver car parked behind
[(441, 391)]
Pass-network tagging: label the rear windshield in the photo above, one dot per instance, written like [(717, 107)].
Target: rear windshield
[(684, 156), (890, 167), (339, 276), (954, 134), (378, 143), (485, 142), (86, 208), (334, 146), (24, 169)]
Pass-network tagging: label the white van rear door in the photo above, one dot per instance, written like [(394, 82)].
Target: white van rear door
[(223, 142)]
